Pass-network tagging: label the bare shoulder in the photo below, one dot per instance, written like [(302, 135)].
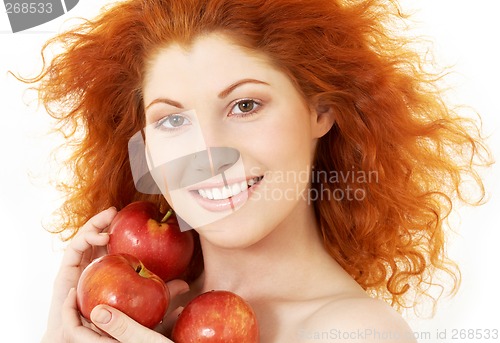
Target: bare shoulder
[(356, 319)]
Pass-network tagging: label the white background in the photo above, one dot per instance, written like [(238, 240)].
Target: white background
[(465, 34)]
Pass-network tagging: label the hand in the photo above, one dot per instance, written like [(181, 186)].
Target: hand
[(89, 243), (65, 323), (115, 323)]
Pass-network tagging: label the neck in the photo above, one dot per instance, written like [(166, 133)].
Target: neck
[(287, 259)]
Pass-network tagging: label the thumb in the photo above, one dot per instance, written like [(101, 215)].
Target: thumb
[(122, 327)]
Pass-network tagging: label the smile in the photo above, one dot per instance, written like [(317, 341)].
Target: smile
[(226, 192)]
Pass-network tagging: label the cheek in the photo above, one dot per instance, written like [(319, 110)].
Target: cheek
[(287, 142)]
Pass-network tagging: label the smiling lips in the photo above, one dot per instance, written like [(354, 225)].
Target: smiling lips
[(226, 197), (225, 192)]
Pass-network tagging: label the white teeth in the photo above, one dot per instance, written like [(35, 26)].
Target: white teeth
[(217, 193), (243, 185), (235, 189), (208, 194), (227, 191)]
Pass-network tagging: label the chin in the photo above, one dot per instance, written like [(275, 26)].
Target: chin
[(228, 234)]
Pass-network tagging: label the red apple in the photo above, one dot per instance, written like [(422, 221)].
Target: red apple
[(122, 281), (216, 317), (138, 230)]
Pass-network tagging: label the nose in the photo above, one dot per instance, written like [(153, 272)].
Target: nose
[(199, 166), (217, 156), (207, 163), (214, 159)]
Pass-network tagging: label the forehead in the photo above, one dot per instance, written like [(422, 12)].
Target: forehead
[(211, 62)]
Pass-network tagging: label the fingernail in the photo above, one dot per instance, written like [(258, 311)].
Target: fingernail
[(102, 316), (185, 290)]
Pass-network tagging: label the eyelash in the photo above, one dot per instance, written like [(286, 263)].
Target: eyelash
[(246, 114), (159, 124)]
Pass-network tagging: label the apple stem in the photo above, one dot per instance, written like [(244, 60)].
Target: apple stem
[(142, 270), (167, 215)]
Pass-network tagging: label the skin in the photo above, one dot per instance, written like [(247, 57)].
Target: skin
[(269, 252)]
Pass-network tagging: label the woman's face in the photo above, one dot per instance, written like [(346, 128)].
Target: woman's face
[(230, 141)]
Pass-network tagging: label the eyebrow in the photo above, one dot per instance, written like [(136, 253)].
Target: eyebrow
[(164, 101), (235, 85), (221, 95)]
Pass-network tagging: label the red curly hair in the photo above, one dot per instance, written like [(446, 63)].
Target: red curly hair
[(390, 118)]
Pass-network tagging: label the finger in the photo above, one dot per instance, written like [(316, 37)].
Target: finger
[(123, 328), (101, 250), (90, 234), (177, 287), (167, 325), (73, 329), (88, 324)]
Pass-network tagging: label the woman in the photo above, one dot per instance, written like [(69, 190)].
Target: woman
[(285, 89)]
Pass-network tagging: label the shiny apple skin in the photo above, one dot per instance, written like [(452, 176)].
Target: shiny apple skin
[(162, 247), (114, 280), (217, 317)]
